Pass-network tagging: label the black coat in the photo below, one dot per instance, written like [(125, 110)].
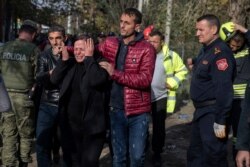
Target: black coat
[(93, 90), (50, 92), (243, 135)]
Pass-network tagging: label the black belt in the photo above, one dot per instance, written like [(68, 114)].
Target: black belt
[(204, 103)]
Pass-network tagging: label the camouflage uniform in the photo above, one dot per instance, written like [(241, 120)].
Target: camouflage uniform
[(17, 65)]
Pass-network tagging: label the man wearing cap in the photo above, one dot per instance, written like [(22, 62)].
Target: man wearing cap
[(17, 65)]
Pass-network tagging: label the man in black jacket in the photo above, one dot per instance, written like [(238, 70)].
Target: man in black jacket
[(48, 110)]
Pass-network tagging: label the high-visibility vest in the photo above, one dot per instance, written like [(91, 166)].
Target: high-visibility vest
[(243, 73), (176, 72)]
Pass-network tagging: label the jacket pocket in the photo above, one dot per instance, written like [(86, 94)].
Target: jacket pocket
[(203, 71)]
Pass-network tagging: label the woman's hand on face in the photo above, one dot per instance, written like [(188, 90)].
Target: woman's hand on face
[(65, 53), (89, 47)]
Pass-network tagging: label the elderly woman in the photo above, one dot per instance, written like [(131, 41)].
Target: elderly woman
[(82, 104)]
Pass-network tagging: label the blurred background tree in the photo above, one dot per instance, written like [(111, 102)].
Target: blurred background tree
[(94, 16)]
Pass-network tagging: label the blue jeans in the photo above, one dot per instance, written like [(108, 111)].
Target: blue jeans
[(46, 121), (128, 134)]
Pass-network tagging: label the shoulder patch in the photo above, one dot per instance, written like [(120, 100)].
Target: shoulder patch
[(222, 64)]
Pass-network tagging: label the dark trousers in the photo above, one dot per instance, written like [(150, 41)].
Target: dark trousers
[(206, 150), (46, 122), (158, 116), (80, 150), (235, 117)]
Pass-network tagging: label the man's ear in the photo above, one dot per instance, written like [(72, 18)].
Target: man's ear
[(65, 37), (214, 29), (33, 35), (138, 27)]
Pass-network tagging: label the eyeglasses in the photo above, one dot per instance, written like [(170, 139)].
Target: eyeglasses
[(156, 42)]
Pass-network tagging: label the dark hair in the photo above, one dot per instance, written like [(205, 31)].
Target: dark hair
[(27, 28), (212, 19), (155, 32), (134, 12), (238, 37), (110, 34), (101, 35), (82, 37), (57, 28)]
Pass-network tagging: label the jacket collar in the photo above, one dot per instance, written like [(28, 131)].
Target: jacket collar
[(165, 50), (138, 37)]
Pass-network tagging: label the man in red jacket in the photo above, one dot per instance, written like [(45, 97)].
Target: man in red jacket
[(130, 65)]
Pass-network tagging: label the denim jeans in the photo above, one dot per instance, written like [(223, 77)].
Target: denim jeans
[(47, 119), (128, 137)]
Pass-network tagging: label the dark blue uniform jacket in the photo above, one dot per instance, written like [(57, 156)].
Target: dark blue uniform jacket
[(212, 79)]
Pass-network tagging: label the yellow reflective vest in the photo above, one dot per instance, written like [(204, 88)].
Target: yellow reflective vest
[(176, 72), (243, 73)]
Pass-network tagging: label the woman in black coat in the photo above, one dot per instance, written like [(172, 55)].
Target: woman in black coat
[(82, 104)]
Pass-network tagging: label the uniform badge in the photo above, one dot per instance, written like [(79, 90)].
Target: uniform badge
[(217, 50), (222, 64)]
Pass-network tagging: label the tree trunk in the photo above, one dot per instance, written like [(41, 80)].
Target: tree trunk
[(168, 21), (7, 21), (239, 10), (140, 2)]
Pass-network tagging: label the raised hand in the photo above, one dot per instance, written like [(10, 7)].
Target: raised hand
[(239, 28), (64, 52), (89, 47)]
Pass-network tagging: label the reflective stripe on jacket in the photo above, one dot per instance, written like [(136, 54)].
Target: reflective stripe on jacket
[(176, 72), (243, 73)]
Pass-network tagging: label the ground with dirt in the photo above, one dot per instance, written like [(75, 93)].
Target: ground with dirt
[(178, 128)]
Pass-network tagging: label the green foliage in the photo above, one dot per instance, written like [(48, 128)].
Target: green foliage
[(111, 10), (103, 15), (184, 15)]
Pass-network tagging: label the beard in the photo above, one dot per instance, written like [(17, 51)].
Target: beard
[(128, 35)]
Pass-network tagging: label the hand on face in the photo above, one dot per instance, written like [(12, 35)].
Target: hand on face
[(61, 50), (65, 53), (57, 49), (83, 48), (89, 47)]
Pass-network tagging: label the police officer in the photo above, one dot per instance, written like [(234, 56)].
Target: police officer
[(17, 64), (212, 93)]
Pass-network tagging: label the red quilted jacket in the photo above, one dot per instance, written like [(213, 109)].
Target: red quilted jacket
[(137, 74)]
